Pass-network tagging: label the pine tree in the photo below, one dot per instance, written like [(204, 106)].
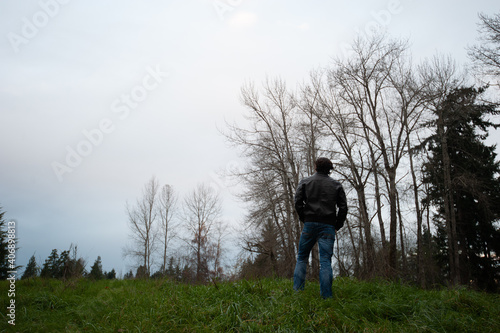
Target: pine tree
[(474, 187), (31, 269), (171, 269), (111, 275), (51, 265), (74, 267), (129, 275), (142, 272), (96, 272), (62, 270)]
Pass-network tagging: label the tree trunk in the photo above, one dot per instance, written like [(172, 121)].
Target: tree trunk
[(393, 223), (451, 230)]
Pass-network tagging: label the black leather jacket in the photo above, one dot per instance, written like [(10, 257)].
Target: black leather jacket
[(317, 199)]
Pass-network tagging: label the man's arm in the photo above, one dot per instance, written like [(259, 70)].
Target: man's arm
[(300, 201), (342, 205)]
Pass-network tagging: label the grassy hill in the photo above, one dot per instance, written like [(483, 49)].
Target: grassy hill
[(245, 306)]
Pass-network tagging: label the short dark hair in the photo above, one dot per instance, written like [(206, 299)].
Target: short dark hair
[(323, 165)]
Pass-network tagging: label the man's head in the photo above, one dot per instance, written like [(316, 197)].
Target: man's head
[(323, 165)]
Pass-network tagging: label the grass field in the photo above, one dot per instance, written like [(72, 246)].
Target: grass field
[(268, 305)]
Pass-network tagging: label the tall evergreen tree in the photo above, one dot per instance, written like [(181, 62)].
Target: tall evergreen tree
[(73, 267), (141, 273), (63, 265), (31, 269), (51, 265), (129, 275), (474, 185), (96, 272), (111, 275)]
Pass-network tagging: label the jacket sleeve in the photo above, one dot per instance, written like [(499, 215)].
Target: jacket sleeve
[(300, 201), (342, 206)]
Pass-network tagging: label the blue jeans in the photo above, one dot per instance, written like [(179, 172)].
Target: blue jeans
[(324, 234)]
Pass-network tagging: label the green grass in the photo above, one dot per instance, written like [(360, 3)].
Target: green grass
[(268, 305)]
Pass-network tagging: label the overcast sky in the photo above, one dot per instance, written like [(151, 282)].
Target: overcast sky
[(98, 96)]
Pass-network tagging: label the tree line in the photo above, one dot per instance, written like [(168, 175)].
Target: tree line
[(407, 141), (156, 219), (62, 265)]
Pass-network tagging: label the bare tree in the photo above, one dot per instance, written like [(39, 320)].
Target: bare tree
[(202, 211), (218, 249), (486, 56), (142, 222), (339, 122), (409, 90), (166, 207), (376, 85), (272, 174)]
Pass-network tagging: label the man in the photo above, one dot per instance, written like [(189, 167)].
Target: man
[(316, 201)]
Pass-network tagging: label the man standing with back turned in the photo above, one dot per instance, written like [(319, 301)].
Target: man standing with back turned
[(316, 201)]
